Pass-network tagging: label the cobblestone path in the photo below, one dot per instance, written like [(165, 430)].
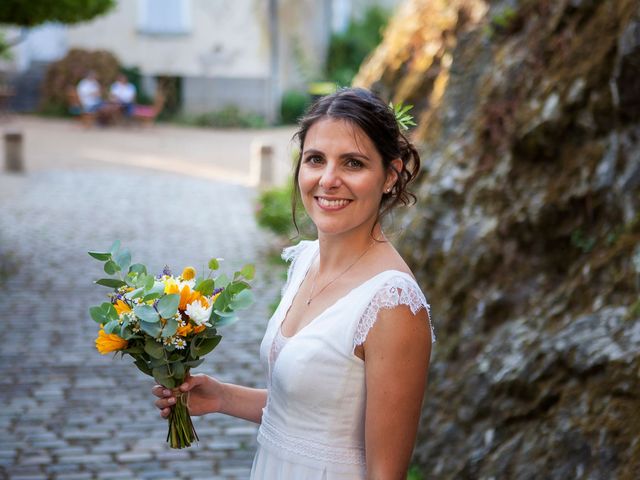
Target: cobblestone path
[(68, 412)]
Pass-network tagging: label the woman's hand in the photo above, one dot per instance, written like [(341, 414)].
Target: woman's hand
[(205, 395)]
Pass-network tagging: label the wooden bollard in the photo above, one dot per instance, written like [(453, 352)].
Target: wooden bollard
[(262, 164), (13, 152)]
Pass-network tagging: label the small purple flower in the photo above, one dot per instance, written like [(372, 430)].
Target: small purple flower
[(218, 290), (166, 270)]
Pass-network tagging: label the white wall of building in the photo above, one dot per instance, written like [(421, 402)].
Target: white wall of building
[(219, 38)]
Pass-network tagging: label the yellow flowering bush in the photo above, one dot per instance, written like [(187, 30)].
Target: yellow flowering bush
[(166, 323)]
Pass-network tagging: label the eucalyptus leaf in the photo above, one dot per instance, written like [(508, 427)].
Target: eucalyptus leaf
[(222, 281), (158, 287), (248, 271), (102, 256), (152, 329), (110, 311), (228, 320), (133, 294), (153, 348), (142, 366), (112, 327), (205, 287), (242, 300), (149, 282), (168, 305), (134, 350), (194, 363), (111, 267), (110, 282), (150, 296), (193, 349), (214, 264), (123, 259), (97, 314), (125, 332), (237, 287), (207, 345), (162, 376), (146, 313), (178, 370), (115, 247), (210, 332), (176, 356), (140, 280), (138, 268), (170, 328), (222, 302)]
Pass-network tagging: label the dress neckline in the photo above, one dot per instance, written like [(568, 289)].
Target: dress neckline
[(339, 300)]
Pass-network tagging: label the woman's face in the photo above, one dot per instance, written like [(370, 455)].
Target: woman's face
[(341, 177)]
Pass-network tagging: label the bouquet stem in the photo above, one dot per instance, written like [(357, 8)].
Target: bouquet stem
[(181, 430)]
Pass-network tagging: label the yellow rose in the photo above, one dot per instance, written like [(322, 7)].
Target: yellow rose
[(109, 342)]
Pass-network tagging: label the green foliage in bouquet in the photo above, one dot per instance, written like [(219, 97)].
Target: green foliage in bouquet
[(166, 323)]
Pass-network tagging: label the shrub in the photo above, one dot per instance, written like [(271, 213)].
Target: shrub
[(274, 213), (293, 106), (229, 117), (68, 71), (348, 49)]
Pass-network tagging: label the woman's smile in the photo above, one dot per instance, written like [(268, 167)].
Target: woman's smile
[(332, 204)]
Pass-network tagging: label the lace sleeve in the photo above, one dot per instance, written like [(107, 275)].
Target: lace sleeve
[(399, 291), (291, 254)]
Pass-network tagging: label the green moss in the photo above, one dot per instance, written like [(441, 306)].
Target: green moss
[(581, 241)]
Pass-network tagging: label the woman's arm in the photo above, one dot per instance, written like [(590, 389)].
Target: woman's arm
[(397, 351), (244, 402), (208, 395)]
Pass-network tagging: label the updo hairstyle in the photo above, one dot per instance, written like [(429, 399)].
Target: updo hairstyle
[(377, 120)]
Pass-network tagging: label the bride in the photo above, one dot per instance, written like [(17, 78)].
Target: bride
[(347, 351)]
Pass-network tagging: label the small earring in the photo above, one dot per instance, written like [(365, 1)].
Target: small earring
[(388, 190)]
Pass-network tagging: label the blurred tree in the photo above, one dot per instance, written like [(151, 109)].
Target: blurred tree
[(348, 49), (34, 12)]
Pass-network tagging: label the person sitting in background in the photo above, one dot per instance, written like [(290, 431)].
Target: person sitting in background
[(89, 93), (123, 94)]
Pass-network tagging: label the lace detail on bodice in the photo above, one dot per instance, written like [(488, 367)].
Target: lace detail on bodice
[(399, 291), (308, 448), (279, 341)]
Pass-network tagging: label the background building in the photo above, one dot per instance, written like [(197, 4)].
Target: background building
[(243, 53)]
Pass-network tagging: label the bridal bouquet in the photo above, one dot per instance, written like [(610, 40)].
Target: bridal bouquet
[(166, 322)]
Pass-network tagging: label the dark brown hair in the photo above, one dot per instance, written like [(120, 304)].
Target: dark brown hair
[(377, 120)]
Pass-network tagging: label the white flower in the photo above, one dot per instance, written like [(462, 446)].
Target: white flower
[(199, 314), (181, 283), (179, 343)]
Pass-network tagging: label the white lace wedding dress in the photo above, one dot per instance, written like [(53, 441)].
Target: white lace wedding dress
[(313, 423)]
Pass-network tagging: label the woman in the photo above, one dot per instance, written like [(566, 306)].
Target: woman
[(347, 351)]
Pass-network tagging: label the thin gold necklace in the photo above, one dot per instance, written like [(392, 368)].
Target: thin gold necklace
[(315, 277)]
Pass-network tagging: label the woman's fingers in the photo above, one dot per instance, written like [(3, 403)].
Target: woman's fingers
[(165, 402), (158, 391)]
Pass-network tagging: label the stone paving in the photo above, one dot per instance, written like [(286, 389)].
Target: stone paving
[(68, 412)]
